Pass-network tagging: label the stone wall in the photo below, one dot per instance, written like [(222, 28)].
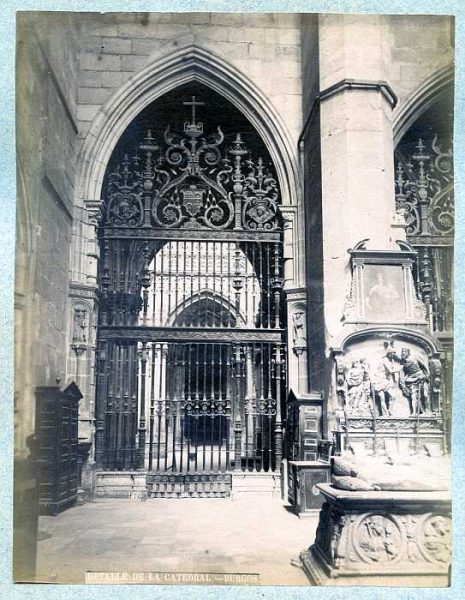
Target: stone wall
[(46, 146), (264, 47), (46, 91), (419, 47)]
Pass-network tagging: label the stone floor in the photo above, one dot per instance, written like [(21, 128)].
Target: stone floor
[(253, 535)]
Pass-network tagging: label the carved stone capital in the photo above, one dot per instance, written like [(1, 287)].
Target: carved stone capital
[(94, 211)]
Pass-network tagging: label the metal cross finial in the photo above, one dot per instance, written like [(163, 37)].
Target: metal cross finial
[(193, 103)]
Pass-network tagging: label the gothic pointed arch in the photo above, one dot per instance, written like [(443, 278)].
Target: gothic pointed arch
[(423, 97), (164, 74), (191, 336)]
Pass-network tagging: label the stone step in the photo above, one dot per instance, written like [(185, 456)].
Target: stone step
[(248, 485), (120, 484)]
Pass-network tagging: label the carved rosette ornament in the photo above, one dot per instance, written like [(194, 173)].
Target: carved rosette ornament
[(190, 181)]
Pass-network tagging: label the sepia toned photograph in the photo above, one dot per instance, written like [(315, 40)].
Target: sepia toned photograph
[(234, 299)]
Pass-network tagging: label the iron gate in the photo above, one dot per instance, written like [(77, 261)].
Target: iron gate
[(190, 361)]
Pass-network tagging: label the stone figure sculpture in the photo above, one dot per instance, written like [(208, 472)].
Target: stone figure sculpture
[(299, 333), (358, 388), (414, 383), (386, 380), (80, 325), (415, 473)]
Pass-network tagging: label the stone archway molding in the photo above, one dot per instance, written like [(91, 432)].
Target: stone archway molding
[(417, 337), (163, 74), (420, 100)]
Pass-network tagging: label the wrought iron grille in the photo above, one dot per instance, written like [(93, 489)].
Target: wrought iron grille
[(425, 197), (191, 360)]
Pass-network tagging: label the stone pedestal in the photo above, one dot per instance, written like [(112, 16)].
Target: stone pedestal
[(381, 538)]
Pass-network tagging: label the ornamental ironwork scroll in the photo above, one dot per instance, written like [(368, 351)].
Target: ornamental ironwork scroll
[(192, 181), (424, 190)]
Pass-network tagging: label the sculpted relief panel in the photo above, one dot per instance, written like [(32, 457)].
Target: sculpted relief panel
[(388, 379), (349, 541)]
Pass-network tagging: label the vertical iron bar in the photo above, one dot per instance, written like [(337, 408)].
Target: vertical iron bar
[(142, 429), (174, 404), (246, 277), (182, 321), (278, 426), (262, 292), (182, 402), (191, 295), (165, 350), (126, 432), (228, 403), (152, 406), (268, 285), (161, 407), (212, 403), (237, 410), (121, 348), (204, 403), (229, 276), (213, 324), (189, 411), (197, 404), (254, 287), (155, 286), (162, 283), (270, 405), (220, 403), (169, 308)]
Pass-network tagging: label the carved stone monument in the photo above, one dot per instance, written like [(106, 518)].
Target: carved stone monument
[(385, 521), (387, 538)]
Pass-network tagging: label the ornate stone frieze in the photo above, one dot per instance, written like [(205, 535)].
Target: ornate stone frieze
[(390, 424)]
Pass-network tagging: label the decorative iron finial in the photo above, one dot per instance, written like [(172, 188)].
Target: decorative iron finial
[(193, 129), (149, 143)]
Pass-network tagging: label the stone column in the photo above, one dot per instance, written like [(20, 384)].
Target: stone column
[(357, 166)]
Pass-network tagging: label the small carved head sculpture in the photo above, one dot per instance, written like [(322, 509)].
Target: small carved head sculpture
[(405, 353)]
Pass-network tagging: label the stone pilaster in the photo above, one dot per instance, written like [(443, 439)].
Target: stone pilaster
[(357, 151)]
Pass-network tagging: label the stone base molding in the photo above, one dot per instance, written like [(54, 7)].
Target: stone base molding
[(381, 538)]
